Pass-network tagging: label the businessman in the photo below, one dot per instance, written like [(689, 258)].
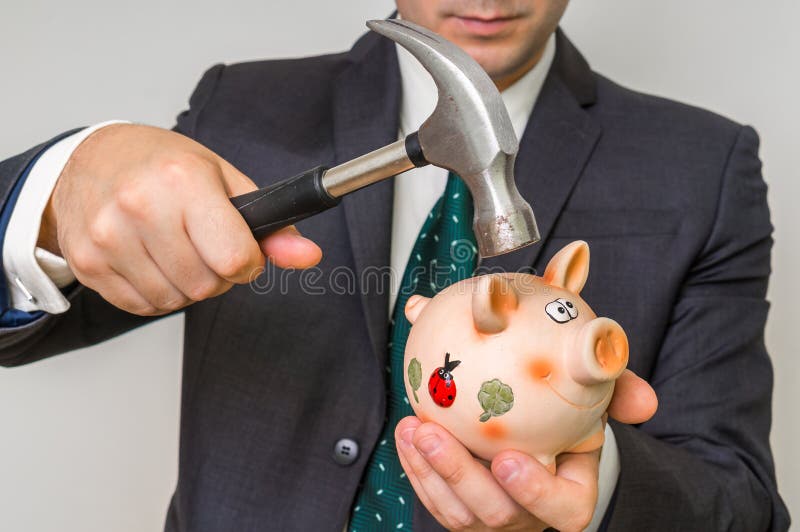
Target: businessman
[(286, 405)]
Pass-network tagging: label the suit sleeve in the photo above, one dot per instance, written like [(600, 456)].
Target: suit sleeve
[(14, 174), (704, 461), (90, 319)]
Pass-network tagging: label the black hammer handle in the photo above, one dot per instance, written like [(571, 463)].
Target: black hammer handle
[(275, 206)]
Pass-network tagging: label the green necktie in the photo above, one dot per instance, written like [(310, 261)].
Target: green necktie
[(443, 254)]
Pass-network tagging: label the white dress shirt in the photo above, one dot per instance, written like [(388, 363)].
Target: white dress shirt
[(34, 275)]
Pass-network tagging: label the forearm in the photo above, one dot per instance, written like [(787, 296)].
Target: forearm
[(669, 486), (704, 460), (89, 321)]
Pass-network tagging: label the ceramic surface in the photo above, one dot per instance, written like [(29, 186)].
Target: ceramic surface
[(515, 361)]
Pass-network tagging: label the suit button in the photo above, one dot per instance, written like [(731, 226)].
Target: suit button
[(345, 452)]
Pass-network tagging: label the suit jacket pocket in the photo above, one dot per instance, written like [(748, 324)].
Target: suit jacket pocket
[(618, 223)]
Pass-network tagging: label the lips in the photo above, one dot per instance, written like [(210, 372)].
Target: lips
[(485, 26)]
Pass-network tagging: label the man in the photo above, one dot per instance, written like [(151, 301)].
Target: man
[(282, 392)]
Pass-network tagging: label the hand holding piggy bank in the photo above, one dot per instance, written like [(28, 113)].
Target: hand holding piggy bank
[(516, 361)]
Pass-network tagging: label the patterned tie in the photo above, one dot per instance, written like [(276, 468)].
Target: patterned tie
[(444, 253)]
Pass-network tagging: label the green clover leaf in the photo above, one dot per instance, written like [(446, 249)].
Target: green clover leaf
[(496, 399), (415, 376)]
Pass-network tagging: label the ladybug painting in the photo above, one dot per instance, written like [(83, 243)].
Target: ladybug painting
[(441, 385)]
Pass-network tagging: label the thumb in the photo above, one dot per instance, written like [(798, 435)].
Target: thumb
[(634, 400), (287, 248)]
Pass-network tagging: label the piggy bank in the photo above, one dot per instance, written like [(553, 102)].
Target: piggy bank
[(515, 361)]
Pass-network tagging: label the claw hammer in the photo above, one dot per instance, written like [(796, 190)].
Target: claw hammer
[(469, 133)]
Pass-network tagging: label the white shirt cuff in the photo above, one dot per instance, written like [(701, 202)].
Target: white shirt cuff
[(607, 478), (35, 275)]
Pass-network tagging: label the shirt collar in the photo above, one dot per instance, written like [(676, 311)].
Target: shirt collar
[(419, 92)]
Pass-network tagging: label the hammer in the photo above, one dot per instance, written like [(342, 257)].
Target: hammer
[(468, 133)]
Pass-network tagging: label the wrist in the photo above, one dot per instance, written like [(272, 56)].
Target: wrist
[(48, 230)]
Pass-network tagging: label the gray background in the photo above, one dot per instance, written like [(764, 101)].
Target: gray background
[(88, 441)]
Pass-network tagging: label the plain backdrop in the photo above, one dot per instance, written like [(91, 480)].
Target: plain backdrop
[(88, 440)]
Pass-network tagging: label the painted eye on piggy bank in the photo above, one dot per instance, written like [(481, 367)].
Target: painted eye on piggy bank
[(523, 383), (561, 310)]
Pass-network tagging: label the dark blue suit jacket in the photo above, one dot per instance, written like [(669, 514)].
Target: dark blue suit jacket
[(669, 197)]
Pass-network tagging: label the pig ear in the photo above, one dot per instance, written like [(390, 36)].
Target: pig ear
[(493, 302), (414, 306), (601, 354), (569, 268)]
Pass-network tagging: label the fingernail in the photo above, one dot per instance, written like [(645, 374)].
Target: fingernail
[(429, 444), (292, 229), (507, 469), (407, 435)]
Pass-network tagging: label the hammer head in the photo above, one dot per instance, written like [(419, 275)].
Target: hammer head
[(470, 134)]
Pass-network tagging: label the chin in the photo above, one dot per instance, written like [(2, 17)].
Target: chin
[(496, 59)]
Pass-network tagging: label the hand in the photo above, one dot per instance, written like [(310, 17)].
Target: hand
[(142, 216), (518, 493)]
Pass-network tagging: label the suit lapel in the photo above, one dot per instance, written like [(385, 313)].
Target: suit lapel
[(554, 149), (366, 102)]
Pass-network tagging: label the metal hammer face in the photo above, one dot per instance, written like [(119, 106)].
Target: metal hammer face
[(470, 133)]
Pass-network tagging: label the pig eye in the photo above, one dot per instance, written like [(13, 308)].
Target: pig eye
[(572, 309), (557, 311)]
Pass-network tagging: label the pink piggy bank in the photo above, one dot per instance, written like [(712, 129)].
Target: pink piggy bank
[(515, 361)]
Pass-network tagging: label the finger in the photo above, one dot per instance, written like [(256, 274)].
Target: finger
[(470, 481), (195, 191), (234, 181), (91, 269), (453, 513), (407, 426), (221, 236), (289, 249), (634, 401), (119, 292), (564, 501), (176, 256), (120, 250), (149, 281)]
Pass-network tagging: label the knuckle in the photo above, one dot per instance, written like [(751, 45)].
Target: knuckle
[(141, 309), (175, 172), (500, 518), (85, 261), (204, 290), (461, 520), (580, 519), (129, 303), (236, 264), (423, 470), (101, 231), (532, 495), (134, 198), (169, 303), (200, 292), (178, 170), (454, 475)]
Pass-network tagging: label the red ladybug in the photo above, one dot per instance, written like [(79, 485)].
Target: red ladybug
[(441, 385)]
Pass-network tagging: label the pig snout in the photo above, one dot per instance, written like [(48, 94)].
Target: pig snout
[(600, 353)]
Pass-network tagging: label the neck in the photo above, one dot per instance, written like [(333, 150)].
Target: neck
[(505, 81)]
